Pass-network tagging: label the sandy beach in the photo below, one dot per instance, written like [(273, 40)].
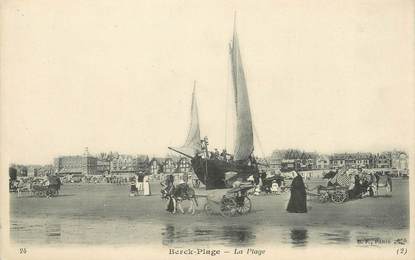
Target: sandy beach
[(84, 213)]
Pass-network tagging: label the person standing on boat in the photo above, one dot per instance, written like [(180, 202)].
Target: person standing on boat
[(204, 147), (223, 155), (298, 198), (216, 154)]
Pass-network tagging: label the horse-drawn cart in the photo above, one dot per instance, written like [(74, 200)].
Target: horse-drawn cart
[(336, 194), (45, 190), (234, 202), (337, 189)]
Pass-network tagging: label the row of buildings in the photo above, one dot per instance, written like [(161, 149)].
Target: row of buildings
[(280, 160), (122, 165), (287, 160)]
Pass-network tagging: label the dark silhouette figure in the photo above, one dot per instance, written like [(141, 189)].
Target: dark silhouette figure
[(298, 199)]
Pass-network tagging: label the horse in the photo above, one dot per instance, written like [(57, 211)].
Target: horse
[(53, 190), (184, 192)]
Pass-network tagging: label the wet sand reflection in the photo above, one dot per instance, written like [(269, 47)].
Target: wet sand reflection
[(234, 235), (53, 233), (336, 237), (299, 237), (61, 231)]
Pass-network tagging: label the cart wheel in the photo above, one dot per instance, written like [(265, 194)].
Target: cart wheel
[(228, 207), (54, 193), (338, 196), (324, 197), (244, 206)]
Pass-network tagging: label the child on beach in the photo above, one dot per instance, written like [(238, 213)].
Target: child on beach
[(274, 187)]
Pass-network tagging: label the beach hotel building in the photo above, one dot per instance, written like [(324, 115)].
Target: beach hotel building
[(76, 164)]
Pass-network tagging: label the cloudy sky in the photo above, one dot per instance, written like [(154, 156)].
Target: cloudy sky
[(117, 75)]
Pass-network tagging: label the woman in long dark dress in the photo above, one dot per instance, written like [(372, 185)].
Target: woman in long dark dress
[(357, 190), (298, 198)]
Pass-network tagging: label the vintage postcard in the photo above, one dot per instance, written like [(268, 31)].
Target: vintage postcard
[(207, 129)]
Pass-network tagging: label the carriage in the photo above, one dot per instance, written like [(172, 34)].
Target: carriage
[(342, 186), (49, 188), (45, 190), (336, 194), (337, 189), (233, 203)]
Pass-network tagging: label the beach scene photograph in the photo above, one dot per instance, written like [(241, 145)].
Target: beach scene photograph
[(207, 129)]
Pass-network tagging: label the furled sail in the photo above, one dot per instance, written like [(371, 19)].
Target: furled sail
[(192, 144), (244, 141)]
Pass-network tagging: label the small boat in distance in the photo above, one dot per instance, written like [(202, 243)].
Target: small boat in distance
[(220, 171)]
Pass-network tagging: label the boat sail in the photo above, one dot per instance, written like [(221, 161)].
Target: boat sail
[(192, 145), (244, 143), (213, 171)]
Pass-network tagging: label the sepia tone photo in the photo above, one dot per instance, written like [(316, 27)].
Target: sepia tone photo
[(152, 129)]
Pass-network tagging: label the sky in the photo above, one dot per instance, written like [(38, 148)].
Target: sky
[(326, 76)]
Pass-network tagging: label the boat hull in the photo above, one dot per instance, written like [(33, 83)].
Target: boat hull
[(212, 172)]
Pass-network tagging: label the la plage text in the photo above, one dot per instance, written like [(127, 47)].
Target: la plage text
[(215, 252)]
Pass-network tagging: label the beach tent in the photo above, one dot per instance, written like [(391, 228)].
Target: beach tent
[(329, 175)]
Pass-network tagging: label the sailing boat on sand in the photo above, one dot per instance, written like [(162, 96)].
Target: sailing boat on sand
[(219, 173)]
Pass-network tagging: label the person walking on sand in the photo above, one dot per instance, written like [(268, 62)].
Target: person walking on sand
[(146, 184), (298, 198), (139, 184), (168, 192), (133, 187)]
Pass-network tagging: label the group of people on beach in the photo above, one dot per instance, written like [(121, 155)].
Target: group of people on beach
[(366, 184), (267, 183), (49, 182), (140, 185), (361, 184)]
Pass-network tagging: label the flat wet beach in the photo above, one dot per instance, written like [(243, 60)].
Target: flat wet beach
[(100, 214)]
